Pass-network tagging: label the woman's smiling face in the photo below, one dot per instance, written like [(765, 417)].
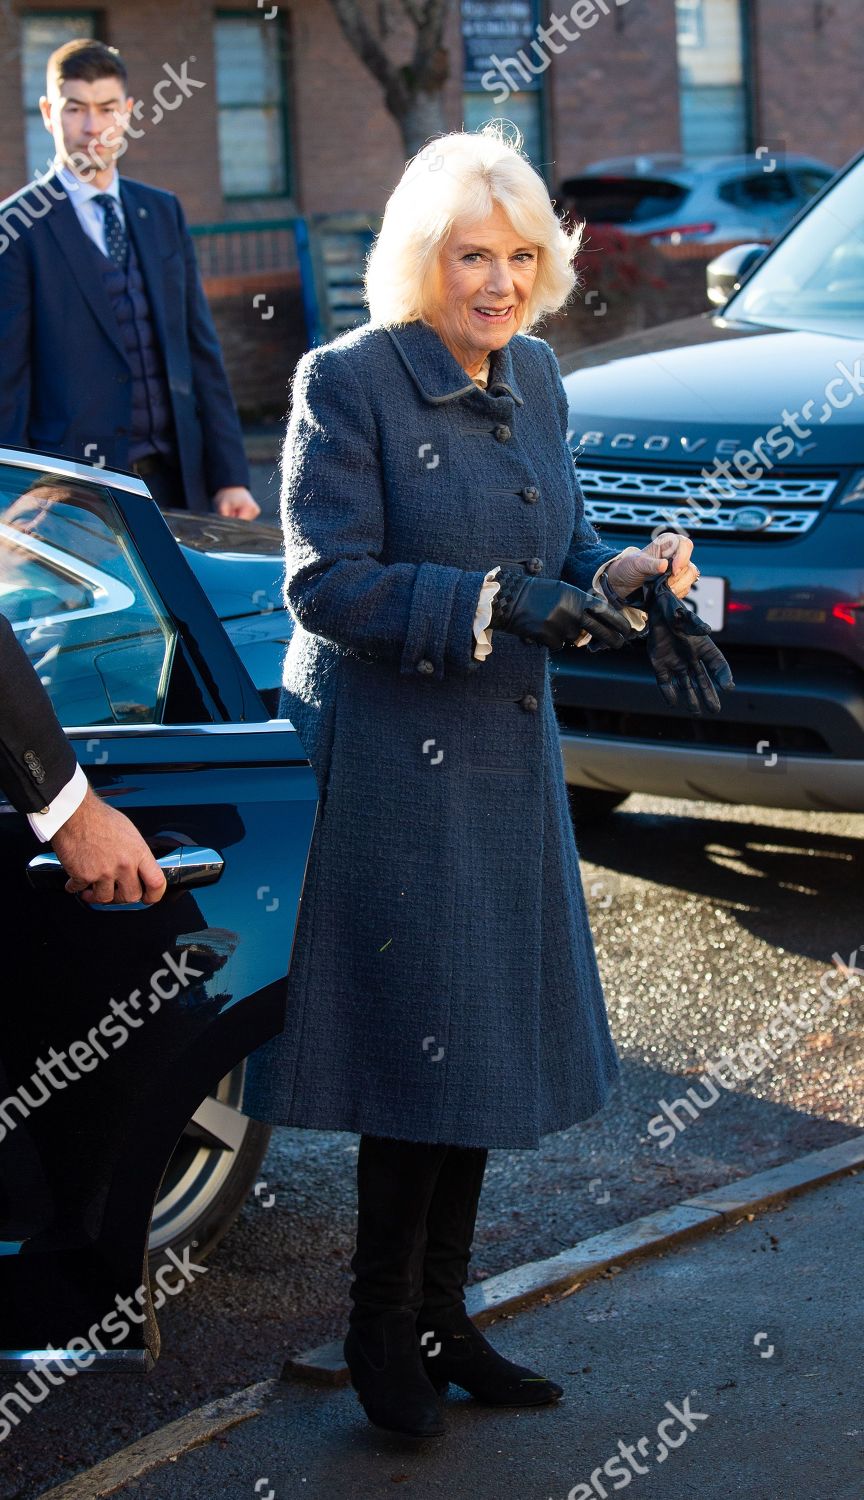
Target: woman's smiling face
[(485, 275)]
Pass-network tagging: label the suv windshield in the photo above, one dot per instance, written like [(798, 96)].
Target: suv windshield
[(815, 279)]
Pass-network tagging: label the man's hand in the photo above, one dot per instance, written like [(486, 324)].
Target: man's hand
[(670, 553), (236, 501), (105, 856)]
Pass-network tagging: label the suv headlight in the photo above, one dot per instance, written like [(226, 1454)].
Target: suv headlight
[(853, 497)]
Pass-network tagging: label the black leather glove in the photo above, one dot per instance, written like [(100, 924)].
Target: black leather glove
[(550, 613), (688, 666)]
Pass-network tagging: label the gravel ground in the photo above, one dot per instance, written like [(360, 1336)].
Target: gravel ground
[(706, 918)]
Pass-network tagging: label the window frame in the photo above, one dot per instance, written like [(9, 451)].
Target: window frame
[(284, 56)]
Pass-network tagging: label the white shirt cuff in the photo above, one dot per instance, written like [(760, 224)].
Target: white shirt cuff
[(67, 801), (483, 614), (636, 617)]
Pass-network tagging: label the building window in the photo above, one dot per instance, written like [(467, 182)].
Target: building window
[(713, 77), (502, 71), (251, 68), (41, 34)]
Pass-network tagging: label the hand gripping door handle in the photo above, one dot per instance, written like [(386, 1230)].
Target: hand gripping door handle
[(183, 868)]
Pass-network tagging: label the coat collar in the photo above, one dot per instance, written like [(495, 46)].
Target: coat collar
[(438, 374)]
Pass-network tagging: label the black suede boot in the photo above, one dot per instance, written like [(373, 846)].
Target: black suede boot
[(395, 1182), (453, 1348)]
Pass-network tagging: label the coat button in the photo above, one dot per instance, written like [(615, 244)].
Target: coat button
[(529, 702), (502, 432), (530, 494), (425, 665), (534, 565)]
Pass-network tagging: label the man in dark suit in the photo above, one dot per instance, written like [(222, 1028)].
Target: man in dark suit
[(110, 355), (101, 851)]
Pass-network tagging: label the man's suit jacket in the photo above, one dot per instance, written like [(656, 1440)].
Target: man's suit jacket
[(36, 759), (65, 381)]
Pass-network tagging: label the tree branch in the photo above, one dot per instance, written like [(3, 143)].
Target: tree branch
[(364, 42)]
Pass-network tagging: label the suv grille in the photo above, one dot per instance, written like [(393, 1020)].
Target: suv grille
[(774, 506)]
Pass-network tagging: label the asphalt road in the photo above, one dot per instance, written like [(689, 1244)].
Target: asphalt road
[(727, 1367), (708, 922)]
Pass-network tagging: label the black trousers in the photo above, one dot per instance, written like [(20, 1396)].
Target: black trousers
[(416, 1213), (164, 481)]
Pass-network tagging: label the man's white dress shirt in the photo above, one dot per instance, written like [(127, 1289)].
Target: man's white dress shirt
[(90, 215)]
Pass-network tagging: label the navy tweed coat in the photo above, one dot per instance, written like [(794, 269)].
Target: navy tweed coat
[(443, 984)]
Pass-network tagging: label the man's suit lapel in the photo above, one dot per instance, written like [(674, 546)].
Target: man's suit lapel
[(72, 242), (141, 230)]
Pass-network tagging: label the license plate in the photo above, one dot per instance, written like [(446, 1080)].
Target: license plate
[(708, 598)]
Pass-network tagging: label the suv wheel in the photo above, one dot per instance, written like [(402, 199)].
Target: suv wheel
[(214, 1167)]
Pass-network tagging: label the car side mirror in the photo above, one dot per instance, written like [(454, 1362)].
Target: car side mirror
[(725, 273)]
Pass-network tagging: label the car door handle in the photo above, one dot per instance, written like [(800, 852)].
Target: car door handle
[(184, 867)]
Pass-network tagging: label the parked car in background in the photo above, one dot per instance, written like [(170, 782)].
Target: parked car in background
[(744, 428), (142, 1142), (698, 202)]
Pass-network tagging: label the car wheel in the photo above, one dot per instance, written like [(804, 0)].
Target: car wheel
[(212, 1171), (588, 805)]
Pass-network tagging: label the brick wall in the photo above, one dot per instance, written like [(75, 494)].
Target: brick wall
[(808, 77), (615, 90)]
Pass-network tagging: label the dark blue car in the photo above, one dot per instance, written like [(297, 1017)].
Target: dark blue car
[(123, 1030), (744, 428)]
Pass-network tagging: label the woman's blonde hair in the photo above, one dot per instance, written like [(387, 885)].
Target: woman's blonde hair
[(463, 175)]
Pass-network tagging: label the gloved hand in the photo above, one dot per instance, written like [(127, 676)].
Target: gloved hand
[(689, 668), (549, 612), (668, 555)]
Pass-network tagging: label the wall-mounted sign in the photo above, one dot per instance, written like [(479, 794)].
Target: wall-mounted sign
[(493, 31)]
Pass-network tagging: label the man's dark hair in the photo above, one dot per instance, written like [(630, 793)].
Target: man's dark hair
[(86, 59)]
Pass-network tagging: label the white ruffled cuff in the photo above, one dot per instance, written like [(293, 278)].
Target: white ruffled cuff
[(483, 614), (636, 617)]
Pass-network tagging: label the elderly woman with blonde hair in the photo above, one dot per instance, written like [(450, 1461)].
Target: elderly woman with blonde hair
[(444, 996)]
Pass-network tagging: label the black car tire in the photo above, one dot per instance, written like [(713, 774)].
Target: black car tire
[(212, 1171), (589, 805)]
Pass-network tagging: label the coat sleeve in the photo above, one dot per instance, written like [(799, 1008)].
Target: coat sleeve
[(15, 335), (225, 460), (418, 616), (586, 552), (36, 758)]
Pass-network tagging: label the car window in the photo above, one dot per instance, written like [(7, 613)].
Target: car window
[(814, 278), (621, 200), (80, 601), (758, 190)]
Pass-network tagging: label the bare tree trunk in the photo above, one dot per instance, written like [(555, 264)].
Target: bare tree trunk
[(413, 91), (422, 117)]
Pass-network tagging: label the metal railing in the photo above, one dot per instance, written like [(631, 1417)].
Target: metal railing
[(328, 250)]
